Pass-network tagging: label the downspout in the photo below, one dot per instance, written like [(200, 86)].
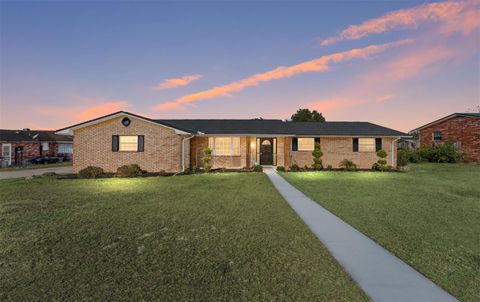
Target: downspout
[(393, 149), (183, 151)]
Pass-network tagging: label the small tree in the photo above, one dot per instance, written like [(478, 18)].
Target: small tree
[(207, 159), (381, 164), (317, 158), (305, 115)]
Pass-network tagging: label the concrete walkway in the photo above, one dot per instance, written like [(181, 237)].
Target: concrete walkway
[(26, 173), (381, 275)]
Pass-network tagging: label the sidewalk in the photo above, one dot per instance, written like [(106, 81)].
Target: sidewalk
[(382, 276)]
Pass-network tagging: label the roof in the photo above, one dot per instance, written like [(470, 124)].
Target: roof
[(32, 136), (453, 115), (255, 127)]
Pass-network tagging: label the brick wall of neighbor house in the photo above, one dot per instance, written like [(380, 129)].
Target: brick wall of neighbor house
[(93, 147), (465, 130), (335, 149)]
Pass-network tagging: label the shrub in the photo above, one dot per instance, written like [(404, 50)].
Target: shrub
[(207, 159), (317, 158), (132, 170), (329, 167), (187, 171), (257, 168), (91, 172), (294, 168), (444, 153), (348, 165), (381, 164), (281, 169), (402, 158), (163, 173)]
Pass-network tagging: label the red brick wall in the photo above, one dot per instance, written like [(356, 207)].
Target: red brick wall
[(465, 130)]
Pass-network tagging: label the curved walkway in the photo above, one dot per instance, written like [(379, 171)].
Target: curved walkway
[(382, 276)]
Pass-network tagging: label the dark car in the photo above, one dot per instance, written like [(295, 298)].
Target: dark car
[(45, 160)]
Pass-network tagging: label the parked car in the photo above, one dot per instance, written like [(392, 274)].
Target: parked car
[(45, 160)]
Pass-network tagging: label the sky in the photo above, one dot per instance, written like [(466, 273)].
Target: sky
[(399, 64)]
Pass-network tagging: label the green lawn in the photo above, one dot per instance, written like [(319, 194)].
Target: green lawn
[(199, 237), (31, 167), (429, 216)]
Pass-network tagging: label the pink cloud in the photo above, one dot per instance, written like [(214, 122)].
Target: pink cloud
[(317, 65), (177, 82), (454, 16), (330, 105)]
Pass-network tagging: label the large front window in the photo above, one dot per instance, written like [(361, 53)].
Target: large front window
[(306, 144), (128, 143), (224, 146), (65, 148), (366, 144)]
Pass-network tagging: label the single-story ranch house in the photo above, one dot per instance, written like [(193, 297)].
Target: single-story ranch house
[(461, 129), (18, 147), (124, 138)]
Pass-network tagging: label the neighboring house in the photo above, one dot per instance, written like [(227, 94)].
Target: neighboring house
[(172, 145), (461, 129), (20, 146), (406, 144)]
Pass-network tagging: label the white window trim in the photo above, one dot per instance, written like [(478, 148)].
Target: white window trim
[(212, 142)]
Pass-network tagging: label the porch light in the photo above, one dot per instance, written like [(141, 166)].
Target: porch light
[(252, 145)]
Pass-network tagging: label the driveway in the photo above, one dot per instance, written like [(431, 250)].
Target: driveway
[(32, 172)]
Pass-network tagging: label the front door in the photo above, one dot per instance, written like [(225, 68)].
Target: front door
[(266, 151), (7, 153)]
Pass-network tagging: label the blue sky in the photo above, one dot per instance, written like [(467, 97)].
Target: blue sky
[(60, 60)]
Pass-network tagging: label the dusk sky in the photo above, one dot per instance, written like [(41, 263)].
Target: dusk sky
[(398, 64)]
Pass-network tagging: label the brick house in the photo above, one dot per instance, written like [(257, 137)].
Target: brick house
[(20, 146), (173, 145), (461, 129)]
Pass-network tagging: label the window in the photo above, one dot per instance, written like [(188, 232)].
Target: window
[(65, 148), (226, 146), (366, 144), (128, 143), (45, 146), (306, 144), (437, 135)]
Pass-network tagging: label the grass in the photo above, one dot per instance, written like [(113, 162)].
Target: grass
[(429, 216), (199, 237), (32, 167)]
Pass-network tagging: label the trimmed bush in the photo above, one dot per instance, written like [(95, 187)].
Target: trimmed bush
[(348, 165), (329, 167), (132, 170), (91, 172), (444, 153), (381, 164), (317, 158), (281, 169), (294, 168), (207, 159), (257, 168)]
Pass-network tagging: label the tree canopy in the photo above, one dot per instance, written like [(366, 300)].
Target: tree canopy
[(305, 115)]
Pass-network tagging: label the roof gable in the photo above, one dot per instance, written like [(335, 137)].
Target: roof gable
[(445, 118)]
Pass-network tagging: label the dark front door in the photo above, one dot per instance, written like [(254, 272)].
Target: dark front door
[(266, 151)]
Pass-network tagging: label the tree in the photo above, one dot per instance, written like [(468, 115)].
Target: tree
[(305, 115)]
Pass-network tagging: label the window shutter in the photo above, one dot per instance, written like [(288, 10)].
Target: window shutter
[(317, 140), (141, 143), (355, 144), (114, 143), (294, 144), (378, 144)]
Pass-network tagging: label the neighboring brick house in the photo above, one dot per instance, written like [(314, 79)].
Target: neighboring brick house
[(20, 146), (461, 129), (124, 138)]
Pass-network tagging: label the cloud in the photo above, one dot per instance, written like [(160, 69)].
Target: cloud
[(317, 65), (100, 110), (177, 82), (329, 105), (454, 16)]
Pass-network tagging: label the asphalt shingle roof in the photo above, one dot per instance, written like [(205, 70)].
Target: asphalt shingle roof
[(32, 136), (237, 127)]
